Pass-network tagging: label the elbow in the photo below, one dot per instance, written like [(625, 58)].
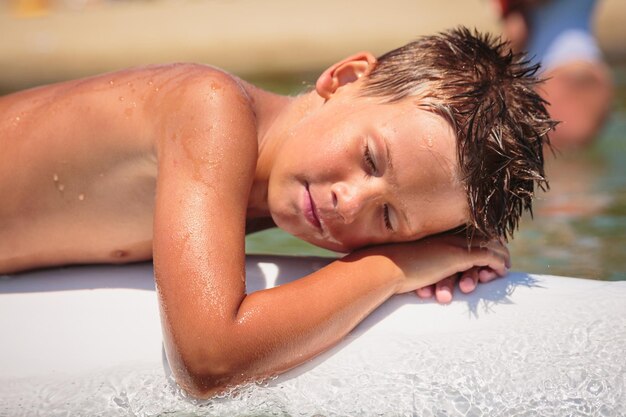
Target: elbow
[(203, 385), (205, 376)]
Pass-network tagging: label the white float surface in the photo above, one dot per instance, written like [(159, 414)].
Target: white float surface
[(87, 341)]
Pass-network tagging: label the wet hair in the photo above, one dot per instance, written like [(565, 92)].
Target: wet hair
[(487, 93)]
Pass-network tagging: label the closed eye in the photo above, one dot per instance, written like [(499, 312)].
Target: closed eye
[(369, 160), (386, 217)]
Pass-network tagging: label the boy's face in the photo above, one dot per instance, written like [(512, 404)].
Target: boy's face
[(356, 172)]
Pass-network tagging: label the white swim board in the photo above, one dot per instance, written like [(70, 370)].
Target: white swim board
[(86, 341)]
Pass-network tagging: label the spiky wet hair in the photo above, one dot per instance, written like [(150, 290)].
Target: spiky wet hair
[(488, 95)]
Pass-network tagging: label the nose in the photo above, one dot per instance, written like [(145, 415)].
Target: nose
[(350, 200)]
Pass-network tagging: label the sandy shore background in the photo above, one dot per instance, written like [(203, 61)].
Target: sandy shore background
[(250, 38)]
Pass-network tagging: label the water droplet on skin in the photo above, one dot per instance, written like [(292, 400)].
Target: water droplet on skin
[(429, 141), (60, 187), (111, 82), (81, 197), (55, 178), (17, 118), (121, 98), (156, 89), (150, 83)]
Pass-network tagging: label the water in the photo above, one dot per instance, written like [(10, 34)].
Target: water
[(579, 227)]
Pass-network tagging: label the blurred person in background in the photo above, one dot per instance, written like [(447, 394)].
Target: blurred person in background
[(558, 35)]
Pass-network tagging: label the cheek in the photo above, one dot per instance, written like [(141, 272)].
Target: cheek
[(450, 214), (329, 145), (319, 163)]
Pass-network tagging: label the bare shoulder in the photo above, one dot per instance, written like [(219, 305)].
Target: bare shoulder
[(143, 90), (132, 110), (199, 101), (212, 89), (206, 149)]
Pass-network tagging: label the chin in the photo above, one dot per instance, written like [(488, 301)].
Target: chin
[(324, 244), (304, 234)]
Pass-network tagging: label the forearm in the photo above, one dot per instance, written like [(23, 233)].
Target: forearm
[(217, 336), (276, 329), (304, 317)]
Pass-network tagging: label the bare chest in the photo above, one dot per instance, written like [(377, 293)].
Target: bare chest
[(62, 205)]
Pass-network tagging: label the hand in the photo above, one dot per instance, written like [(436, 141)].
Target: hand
[(444, 289), (440, 259)]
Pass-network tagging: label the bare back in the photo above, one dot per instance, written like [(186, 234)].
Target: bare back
[(78, 167)]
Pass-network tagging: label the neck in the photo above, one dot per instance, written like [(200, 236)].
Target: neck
[(275, 115)]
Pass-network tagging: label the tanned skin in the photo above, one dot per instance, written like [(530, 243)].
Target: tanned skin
[(177, 162)]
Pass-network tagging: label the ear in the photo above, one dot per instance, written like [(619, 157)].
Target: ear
[(344, 72)]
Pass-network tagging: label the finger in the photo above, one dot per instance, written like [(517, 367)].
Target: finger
[(493, 259), (499, 246), (443, 290), (486, 275), (469, 280), (425, 292)]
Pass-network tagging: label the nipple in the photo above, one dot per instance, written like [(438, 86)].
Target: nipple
[(119, 254)]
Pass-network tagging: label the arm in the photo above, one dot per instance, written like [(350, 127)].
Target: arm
[(216, 335)]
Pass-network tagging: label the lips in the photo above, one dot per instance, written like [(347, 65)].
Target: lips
[(310, 212)]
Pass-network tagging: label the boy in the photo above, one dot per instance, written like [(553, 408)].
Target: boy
[(179, 162)]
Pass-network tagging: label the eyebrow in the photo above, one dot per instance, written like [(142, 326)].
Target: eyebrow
[(390, 166)]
